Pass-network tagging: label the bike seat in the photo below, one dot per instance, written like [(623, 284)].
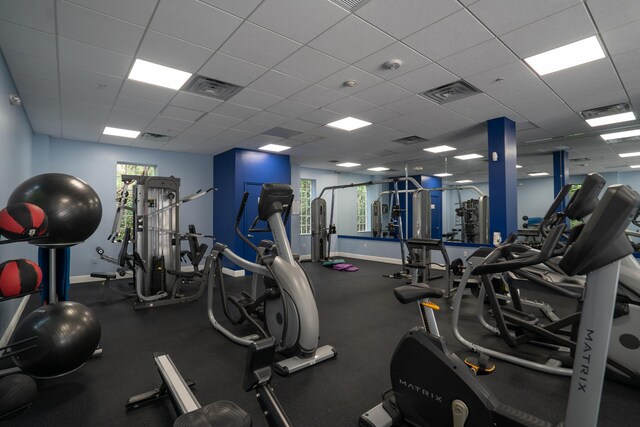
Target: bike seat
[(222, 413), (409, 293)]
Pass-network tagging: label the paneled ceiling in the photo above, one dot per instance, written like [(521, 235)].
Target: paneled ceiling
[(70, 61)]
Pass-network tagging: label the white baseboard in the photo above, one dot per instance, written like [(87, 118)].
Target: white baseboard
[(386, 260)]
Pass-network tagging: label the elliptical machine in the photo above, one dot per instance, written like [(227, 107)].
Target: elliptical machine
[(287, 309), (432, 387)]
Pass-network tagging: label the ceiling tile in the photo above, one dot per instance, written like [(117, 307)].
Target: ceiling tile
[(207, 128), (290, 108), (172, 52), (181, 113), (255, 44), (139, 105), (36, 86), (622, 39), (425, 78), (97, 29), (195, 102), (481, 108), (411, 60), (412, 16), (627, 61), (317, 96), (631, 79), (167, 125), (36, 14), (502, 16), (452, 34), (350, 106), (516, 77), (322, 117), (195, 22), (138, 12), (409, 126), (310, 65), (608, 14), (267, 117), (598, 100), (154, 93), (92, 96), (378, 114), (300, 125), (596, 77), (292, 19), (79, 111), (71, 129), (551, 32), (351, 40), (235, 110), (278, 84), (252, 127), (86, 57), (254, 99), (31, 66), (364, 79), (128, 119), (41, 104), (383, 93), (220, 120), (483, 57), (239, 8), (28, 41), (116, 140), (89, 79), (232, 70)]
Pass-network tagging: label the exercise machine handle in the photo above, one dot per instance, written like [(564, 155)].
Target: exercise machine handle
[(245, 197)]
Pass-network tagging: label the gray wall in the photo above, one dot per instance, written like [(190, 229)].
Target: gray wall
[(96, 164), (16, 138)]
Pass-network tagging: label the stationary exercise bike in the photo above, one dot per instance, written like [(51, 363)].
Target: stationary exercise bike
[(287, 310), (432, 387)]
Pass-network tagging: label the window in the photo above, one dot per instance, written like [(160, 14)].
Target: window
[(574, 188), (361, 214), (306, 195), (127, 214)]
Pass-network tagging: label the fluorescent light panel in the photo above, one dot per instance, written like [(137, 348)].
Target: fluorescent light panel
[(614, 118), (274, 147), (634, 166), (518, 167), (538, 174), (378, 169), (348, 123), (621, 135), (125, 133), (159, 75), (439, 149), (468, 156), (634, 154), (464, 181), (567, 56), (442, 175), (348, 164)]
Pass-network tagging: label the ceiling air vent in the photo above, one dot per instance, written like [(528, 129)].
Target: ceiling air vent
[(351, 5), (155, 137), (451, 92), (580, 159), (596, 113), (333, 161), (410, 140), (212, 88)]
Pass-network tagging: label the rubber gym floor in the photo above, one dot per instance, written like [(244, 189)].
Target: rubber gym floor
[(359, 316)]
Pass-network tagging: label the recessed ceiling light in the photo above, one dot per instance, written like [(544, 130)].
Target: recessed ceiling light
[(348, 164), (469, 156), (621, 135), (464, 181), (538, 174), (634, 166), (274, 147), (442, 175), (125, 133), (378, 169), (634, 154), (159, 75), (614, 118), (566, 56), (439, 149), (518, 167), (348, 123)]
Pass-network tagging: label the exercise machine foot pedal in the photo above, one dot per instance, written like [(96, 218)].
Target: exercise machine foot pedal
[(294, 364)]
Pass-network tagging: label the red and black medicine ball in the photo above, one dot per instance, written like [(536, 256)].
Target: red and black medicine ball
[(19, 276), (21, 220)]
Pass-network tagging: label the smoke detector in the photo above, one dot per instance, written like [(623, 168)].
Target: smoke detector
[(392, 64), (350, 83)]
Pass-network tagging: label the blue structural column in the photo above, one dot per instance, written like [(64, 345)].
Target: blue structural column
[(503, 180), (560, 174)]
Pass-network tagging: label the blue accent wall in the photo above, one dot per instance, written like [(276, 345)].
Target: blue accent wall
[(503, 184), (560, 173)]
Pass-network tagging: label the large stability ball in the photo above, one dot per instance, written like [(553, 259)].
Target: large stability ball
[(16, 393), (67, 335), (72, 207)]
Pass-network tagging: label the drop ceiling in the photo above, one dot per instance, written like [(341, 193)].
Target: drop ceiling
[(70, 61)]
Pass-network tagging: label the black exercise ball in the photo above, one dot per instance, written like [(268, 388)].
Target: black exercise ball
[(22, 220), (16, 393), (67, 335), (73, 208), (19, 276)]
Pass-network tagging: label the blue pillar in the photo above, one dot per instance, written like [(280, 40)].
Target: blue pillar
[(560, 174), (503, 180)]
